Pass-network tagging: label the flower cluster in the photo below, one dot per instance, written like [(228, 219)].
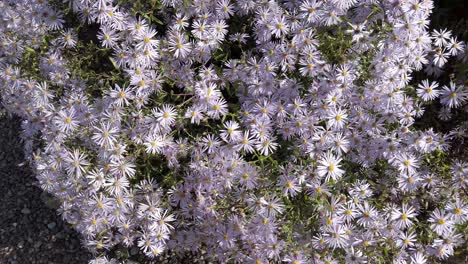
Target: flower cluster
[(229, 129)]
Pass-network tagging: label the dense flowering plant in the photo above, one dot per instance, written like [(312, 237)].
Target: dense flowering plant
[(297, 131)]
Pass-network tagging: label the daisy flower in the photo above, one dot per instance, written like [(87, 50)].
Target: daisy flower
[(121, 95), (220, 29), (116, 185), (66, 120), (146, 40), (42, 94), (409, 182), (105, 134), (217, 108), (266, 146), (231, 133), (354, 256), (108, 37), (137, 26), (179, 45), (165, 115), (210, 143), (345, 74), (311, 10), (154, 144), (329, 167), (96, 178), (224, 9), (77, 163), (295, 258), (147, 243), (406, 163), (458, 211), (441, 37), (440, 57), (441, 222), (455, 47), (289, 185), (226, 237), (331, 18), (68, 38), (444, 114), (418, 258), (368, 214), (162, 221), (248, 178), (279, 27), (406, 239), (200, 29), (54, 20), (403, 217), (336, 236), (195, 114), (453, 96), (347, 211), (340, 143), (271, 205), (336, 118), (246, 143), (239, 37), (122, 168), (357, 31), (181, 21), (428, 91), (309, 67)]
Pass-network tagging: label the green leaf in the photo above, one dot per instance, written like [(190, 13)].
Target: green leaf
[(114, 63), (156, 20)]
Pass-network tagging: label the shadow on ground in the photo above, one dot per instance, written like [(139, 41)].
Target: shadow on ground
[(30, 231)]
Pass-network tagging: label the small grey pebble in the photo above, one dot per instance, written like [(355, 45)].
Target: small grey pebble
[(51, 225), (60, 235), (25, 211)]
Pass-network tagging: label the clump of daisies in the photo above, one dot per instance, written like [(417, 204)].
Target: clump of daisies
[(224, 130)]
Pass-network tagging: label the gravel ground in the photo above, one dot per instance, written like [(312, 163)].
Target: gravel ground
[(30, 229)]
